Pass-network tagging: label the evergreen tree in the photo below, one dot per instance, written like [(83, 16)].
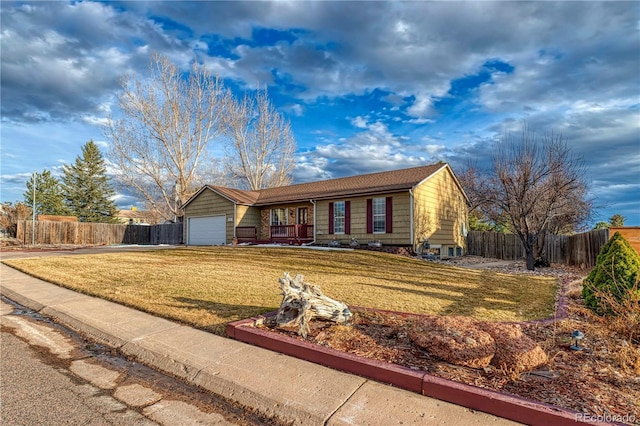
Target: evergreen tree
[(86, 187), (49, 196), (617, 220), (616, 272)]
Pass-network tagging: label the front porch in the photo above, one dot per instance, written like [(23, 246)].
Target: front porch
[(286, 234)]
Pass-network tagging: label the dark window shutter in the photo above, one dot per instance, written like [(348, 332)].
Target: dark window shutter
[(369, 216), (331, 218), (347, 217), (389, 215)]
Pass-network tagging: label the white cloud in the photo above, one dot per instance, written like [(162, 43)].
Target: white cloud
[(359, 122), (419, 120), (102, 144), (434, 149), (575, 67), (422, 107), (297, 110), (95, 120)]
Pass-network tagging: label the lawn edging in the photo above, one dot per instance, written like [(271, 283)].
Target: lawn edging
[(508, 406)]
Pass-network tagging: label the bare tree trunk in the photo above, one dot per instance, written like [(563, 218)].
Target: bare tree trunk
[(528, 250), (539, 245)]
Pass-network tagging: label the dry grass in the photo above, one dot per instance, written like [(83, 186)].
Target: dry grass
[(208, 287)]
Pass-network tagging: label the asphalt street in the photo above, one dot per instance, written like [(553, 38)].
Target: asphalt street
[(36, 393), (51, 376)]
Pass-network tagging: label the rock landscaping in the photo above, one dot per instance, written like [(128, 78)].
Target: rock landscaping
[(531, 360), (457, 340)]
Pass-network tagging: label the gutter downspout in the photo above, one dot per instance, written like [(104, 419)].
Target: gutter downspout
[(314, 222), (235, 207), (411, 202)]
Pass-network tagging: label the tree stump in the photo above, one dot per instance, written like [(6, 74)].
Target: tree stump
[(302, 302)]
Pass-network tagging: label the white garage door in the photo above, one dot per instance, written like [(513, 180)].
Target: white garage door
[(207, 231)]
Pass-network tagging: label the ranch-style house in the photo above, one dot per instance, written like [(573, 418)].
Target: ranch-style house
[(395, 208)]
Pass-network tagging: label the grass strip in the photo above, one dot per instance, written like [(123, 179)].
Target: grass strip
[(210, 286)]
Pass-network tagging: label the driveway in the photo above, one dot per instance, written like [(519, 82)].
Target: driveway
[(48, 252)]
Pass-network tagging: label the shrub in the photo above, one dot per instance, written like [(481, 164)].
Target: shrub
[(615, 277), (541, 262), (10, 214)]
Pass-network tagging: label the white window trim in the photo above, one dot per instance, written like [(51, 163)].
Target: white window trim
[(384, 215), (437, 246), (335, 217), (286, 218), (298, 210)]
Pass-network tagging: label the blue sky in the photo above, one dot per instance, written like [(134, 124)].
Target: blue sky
[(368, 86)]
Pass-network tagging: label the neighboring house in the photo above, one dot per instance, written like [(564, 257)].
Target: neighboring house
[(134, 217), (400, 208)]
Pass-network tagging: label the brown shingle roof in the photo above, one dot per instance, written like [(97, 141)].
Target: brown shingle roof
[(237, 195), (373, 183), (133, 214)]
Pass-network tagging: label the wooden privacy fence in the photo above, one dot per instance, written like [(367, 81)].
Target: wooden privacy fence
[(630, 233), (79, 233), (579, 249)]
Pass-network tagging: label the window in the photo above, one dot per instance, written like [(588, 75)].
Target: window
[(338, 217), (303, 215), (433, 252), (379, 215), (278, 217)]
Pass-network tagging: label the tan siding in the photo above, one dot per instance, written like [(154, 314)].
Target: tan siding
[(440, 211), (208, 203), (401, 224), (247, 216)]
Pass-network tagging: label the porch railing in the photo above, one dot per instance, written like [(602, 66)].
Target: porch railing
[(246, 233), (291, 232)]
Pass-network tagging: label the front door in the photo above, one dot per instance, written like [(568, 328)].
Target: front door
[(303, 215)]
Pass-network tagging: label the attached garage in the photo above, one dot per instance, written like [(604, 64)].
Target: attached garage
[(207, 230)]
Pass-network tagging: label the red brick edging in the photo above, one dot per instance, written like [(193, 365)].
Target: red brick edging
[(508, 406)]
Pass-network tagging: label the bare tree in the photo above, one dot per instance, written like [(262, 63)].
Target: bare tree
[(10, 214), (474, 183), (261, 149), (537, 184), (574, 217), (159, 146)]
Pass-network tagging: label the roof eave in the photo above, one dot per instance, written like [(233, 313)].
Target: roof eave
[(215, 191), (335, 196)]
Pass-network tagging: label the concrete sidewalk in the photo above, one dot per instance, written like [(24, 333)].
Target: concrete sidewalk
[(292, 390)]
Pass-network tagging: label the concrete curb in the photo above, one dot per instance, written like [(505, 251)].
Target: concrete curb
[(489, 401)]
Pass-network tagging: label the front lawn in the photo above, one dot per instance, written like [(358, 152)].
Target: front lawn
[(208, 287)]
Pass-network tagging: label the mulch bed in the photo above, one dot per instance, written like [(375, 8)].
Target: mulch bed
[(603, 379)]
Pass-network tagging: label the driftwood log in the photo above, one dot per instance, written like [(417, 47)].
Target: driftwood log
[(302, 302)]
